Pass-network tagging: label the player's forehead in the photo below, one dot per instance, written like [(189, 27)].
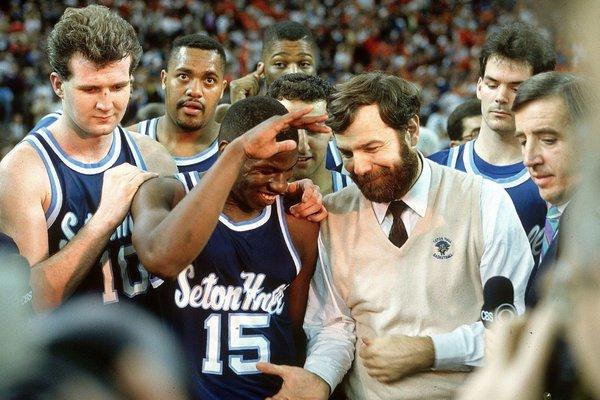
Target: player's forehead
[(194, 59), (504, 69), (290, 48), (87, 72), (282, 161)]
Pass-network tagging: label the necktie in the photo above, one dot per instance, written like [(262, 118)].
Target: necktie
[(550, 229), (398, 233)]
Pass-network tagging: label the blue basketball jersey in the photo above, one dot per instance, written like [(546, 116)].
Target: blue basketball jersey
[(515, 179), (230, 307), (76, 189), (46, 121), (197, 163), (333, 159)]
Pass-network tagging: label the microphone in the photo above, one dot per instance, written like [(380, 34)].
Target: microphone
[(498, 300)]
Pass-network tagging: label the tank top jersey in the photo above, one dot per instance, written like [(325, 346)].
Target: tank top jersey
[(76, 189), (333, 159), (515, 179), (230, 307), (46, 120), (197, 163)]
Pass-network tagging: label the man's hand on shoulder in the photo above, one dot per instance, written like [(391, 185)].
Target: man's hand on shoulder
[(393, 357), (298, 383)]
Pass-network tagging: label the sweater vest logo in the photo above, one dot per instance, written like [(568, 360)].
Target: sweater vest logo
[(443, 248)]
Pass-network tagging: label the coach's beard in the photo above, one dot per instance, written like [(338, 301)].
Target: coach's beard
[(387, 185)]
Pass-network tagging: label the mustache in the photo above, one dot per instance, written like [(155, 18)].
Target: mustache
[(368, 177), (195, 103)]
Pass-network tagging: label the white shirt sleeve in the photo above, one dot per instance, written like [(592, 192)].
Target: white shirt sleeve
[(328, 325), (506, 252)]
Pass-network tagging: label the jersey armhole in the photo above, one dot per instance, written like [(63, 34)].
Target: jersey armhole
[(286, 234), (55, 188)]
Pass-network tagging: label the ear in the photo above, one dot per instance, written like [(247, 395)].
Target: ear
[(478, 91), (260, 68), (222, 145), (163, 79), (412, 129), (224, 87), (57, 84)]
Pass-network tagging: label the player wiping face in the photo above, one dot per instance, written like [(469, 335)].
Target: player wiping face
[(160, 224)]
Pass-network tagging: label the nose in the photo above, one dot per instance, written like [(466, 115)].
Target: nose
[(503, 94), (531, 154), (105, 100), (302, 142), (293, 68), (359, 165), (278, 183), (194, 88)]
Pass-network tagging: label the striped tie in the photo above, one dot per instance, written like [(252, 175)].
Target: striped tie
[(550, 229)]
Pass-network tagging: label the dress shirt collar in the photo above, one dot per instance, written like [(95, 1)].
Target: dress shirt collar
[(415, 198)]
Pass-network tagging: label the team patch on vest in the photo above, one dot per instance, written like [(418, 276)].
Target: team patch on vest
[(442, 248)]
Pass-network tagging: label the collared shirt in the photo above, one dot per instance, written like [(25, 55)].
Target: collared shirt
[(505, 248)]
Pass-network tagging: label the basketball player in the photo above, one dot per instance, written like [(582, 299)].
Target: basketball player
[(288, 47), (193, 84), (296, 91), (509, 57), (242, 264), (66, 189)]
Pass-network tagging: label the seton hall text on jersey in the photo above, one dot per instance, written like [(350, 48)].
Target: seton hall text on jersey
[(70, 225), (209, 295)]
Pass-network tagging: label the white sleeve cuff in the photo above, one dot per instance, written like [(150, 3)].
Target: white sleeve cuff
[(322, 367), (459, 349)]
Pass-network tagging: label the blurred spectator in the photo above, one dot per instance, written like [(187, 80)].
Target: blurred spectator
[(464, 122), (435, 44)]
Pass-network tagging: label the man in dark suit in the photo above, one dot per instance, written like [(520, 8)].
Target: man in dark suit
[(549, 111), (548, 108)]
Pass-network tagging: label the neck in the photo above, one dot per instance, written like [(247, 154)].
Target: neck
[(236, 212), (183, 143), (496, 148), (78, 144)]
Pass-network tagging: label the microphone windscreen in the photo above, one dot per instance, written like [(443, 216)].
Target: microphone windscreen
[(497, 290)]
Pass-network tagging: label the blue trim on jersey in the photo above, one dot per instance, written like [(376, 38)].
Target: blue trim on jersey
[(339, 181), (247, 225), (286, 234), (89, 169), (135, 150), (471, 158), (56, 198), (203, 155)]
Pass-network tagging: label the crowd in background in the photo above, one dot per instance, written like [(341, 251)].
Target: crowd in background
[(433, 43)]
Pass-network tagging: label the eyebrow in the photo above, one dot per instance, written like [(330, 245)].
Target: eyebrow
[(284, 53), (540, 131), (123, 83), (489, 78)]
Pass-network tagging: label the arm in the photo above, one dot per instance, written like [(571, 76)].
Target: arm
[(189, 225), (505, 253), (155, 155), (25, 191), (304, 236)]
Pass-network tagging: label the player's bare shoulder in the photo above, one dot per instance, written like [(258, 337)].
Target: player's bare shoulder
[(155, 155), (23, 168), (304, 233)]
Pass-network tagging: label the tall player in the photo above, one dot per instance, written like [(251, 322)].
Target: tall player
[(509, 57), (244, 294), (193, 84), (65, 190), (296, 91)]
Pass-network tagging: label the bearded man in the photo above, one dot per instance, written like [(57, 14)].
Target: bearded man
[(397, 294)]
